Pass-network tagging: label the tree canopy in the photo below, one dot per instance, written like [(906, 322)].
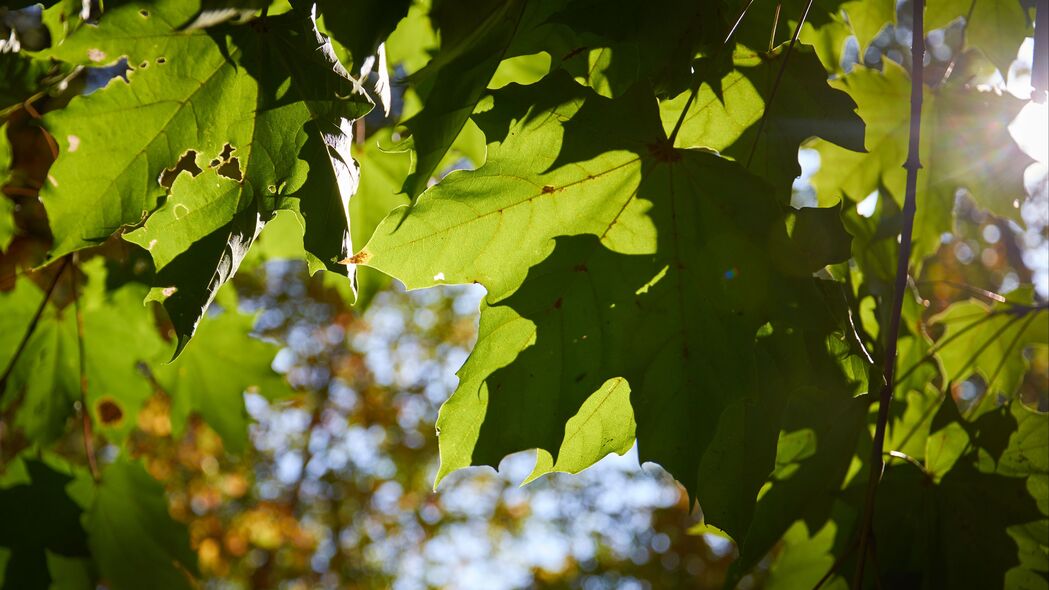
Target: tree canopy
[(805, 349)]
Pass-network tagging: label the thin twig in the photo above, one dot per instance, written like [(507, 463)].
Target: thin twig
[(872, 548), (698, 82), (972, 290), (775, 25), (911, 460), (912, 165), (779, 79), (32, 325), (85, 414), (27, 103), (852, 325)]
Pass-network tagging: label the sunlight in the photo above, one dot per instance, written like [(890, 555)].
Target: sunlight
[(1030, 129)]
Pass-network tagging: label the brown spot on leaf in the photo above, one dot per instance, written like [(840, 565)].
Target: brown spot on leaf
[(358, 258), (580, 268), (557, 304), (548, 189), (109, 412)]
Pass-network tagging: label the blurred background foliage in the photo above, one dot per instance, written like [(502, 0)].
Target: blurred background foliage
[(334, 488)]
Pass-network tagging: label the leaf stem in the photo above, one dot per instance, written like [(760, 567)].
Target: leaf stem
[(775, 25), (85, 413), (913, 164), (779, 79)]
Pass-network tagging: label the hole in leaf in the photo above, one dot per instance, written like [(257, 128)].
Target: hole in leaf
[(231, 170), (226, 165), (187, 162), (143, 65), (162, 60), (109, 412), (144, 13)]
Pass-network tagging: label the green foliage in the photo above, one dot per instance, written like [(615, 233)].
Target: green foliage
[(131, 536), (630, 211)]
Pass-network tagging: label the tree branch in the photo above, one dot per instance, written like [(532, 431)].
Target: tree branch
[(912, 165)]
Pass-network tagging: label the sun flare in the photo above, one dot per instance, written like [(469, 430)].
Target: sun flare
[(1030, 129)]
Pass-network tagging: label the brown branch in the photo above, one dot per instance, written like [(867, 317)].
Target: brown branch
[(85, 413), (51, 145), (18, 191), (912, 165)]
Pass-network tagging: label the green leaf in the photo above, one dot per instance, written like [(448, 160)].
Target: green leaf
[(40, 520), (818, 234), (215, 12), (726, 119), (604, 424), (211, 377), (290, 151), (383, 174), (818, 441), (804, 559), (990, 341), (965, 144), (666, 287), (828, 25), (132, 537), (361, 27), (116, 387), (45, 380), (654, 42), (958, 533), (413, 42), (7, 206), (475, 37), (995, 28)]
